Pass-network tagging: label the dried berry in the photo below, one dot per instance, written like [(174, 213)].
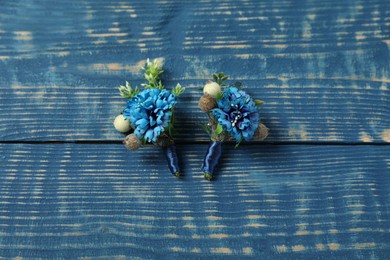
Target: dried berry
[(261, 133), (212, 88), (207, 102), (132, 142), (121, 124)]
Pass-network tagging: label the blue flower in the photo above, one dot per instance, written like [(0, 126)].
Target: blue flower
[(237, 114), (150, 112)]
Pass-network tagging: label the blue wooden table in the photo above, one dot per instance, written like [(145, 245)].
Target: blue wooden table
[(318, 187)]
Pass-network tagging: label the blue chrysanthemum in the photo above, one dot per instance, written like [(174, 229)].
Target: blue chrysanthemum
[(150, 112), (237, 114)]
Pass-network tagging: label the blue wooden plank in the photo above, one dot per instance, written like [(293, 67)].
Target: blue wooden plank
[(101, 201), (323, 68), (295, 110)]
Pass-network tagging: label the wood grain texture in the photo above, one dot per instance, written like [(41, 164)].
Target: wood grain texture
[(322, 67), (77, 201)]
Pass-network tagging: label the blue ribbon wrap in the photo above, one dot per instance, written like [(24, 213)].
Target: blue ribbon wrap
[(211, 159), (171, 156)]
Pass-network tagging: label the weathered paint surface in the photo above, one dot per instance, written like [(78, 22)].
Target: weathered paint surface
[(322, 67), (75, 200)]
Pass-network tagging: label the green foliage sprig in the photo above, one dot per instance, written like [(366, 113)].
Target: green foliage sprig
[(259, 102), (178, 90), (127, 91), (220, 78), (152, 70)]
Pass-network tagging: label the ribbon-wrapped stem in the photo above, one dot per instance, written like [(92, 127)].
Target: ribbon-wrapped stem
[(211, 159), (233, 116), (172, 159)]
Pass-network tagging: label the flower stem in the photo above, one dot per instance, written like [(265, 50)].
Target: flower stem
[(211, 159), (172, 159)]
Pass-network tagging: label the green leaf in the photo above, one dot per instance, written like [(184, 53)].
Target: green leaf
[(219, 95), (152, 70), (127, 91), (146, 85), (178, 90), (218, 129), (159, 85), (238, 143), (220, 78), (171, 128), (259, 102)]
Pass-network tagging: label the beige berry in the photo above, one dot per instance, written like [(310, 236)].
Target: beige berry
[(132, 142), (207, 102), (121, 124), (261, 133), (212, 88)]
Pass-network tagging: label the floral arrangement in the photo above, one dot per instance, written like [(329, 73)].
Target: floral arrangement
[(233, 116), (149, 114)]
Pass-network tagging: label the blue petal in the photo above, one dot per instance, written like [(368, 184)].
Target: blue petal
[(149, 135), (166, 119), (160, 116), (157, 131), (226, 125), (150, 112), (139, 132), (236, 134), (141, 123), (152, 122)]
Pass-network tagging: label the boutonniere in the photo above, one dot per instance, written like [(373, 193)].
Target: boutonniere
[(149, 114), (233, 116)]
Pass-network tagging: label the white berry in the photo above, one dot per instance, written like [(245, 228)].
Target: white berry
[(212, 88), (121, 124)]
